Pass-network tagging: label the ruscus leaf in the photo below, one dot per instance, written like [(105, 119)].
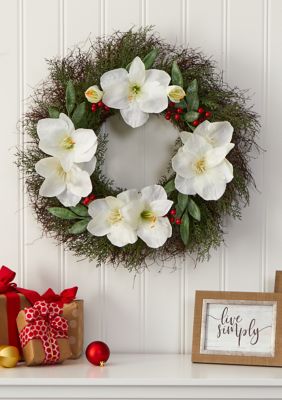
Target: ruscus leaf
[(191, 116), (150, 58), (176, 75), (79, 113), (169, 186), (184, 228), (70, 97), (80, 210), (53, 112), (79, 226), (194, 209), (182, 201), (192, 97), (62, 213)]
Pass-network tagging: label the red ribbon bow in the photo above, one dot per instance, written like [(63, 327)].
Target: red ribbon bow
[(6, 277), (65, 297), (45, 323)]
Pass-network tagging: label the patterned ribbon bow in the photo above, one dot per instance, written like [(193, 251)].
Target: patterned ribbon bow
[(45, 323)]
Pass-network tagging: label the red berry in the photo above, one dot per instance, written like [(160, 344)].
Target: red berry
[(208, 114), (179, 110), (195, 123), (94, 107), (168, 115), (178, 221), (171, 104), (106, 108), (92, 197), (201, 119), (177, 117), (201, 110), (172, 220), (100, 104), (172, 212), (86, 201)]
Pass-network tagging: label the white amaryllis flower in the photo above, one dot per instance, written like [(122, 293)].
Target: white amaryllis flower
[(201, 168), (59, 138), (153, 227), (93, 94), (68, 186), (175, 93), (116, 217), (136, 93), (216, 133)]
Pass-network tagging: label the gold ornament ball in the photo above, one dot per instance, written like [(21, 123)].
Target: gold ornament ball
[(9, 356)]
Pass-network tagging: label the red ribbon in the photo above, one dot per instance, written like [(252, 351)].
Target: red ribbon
[(45, 323), (65, 297), (10, 290)]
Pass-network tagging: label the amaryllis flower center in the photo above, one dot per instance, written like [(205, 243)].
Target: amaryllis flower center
[(115, 216), (200, 166), (68, 143), (149, 216), (134, 91)]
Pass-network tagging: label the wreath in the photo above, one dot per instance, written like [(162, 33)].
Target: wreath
[(136, 74)]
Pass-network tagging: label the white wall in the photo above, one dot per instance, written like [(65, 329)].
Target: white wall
[(154, 312)]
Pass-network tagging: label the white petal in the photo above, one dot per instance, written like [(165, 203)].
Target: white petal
[(99, 226), (51, 127), (197, 145), (131, 212), (182, 163), (52, 186), (157, 234), (227, 169), (113, 202), (122, 234), (79, 182), (137, 71), (133, 116), (184, 136), (114, 77), (211, 185), (128, 195), (153, 98), (88, 166), (68, 199), (47, 166), (68, 122), (153, 75), (117, 96), (85, 140), (216, 133), (185, 186), (152, 193), (161, 207), (216, 155), (98, 207), (66, 158)]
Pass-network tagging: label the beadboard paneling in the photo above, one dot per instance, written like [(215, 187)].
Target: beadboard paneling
[(153, 311)]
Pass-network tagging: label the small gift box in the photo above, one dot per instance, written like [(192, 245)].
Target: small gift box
[(73, 313), (12, 300), (43, 334)]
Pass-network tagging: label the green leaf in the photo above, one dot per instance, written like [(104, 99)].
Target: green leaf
[(169, 186), (150, 58), (191, 116), (53, 112), (182, 201), (62, 213), (70, 97), (176, 75), (80, 210), (181, 104), (184, 228), (78, 113), (194, 210), (192, 97), (79, 226)]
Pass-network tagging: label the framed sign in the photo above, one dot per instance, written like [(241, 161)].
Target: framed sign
[(238, 328)]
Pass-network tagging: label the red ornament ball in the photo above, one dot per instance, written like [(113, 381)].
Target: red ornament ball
[(97, 353)]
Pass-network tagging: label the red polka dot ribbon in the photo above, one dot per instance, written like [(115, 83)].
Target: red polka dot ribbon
[(45, 323)]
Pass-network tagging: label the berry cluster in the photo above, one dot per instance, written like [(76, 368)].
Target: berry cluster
[(173, 112), (100, 105), (203, 115), (88, 199), (173, 218)]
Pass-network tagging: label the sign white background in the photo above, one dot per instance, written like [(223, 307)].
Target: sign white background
[(157, 314), (238, 327)]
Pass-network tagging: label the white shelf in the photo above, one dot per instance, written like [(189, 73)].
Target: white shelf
[(141, 376)]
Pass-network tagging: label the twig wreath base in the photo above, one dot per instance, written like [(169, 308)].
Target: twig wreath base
[(214, 101)]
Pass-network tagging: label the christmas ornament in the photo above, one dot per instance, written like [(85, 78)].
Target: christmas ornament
[(97, 353), (143, 75), (9, 356)]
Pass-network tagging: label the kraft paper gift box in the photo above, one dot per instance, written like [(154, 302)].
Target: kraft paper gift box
[(73, 312), (43, 334), (12, 300)]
